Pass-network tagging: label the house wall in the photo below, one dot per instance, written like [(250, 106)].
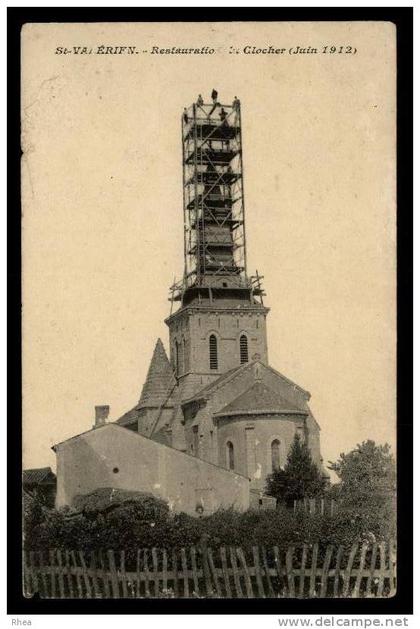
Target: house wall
[(112, 456)]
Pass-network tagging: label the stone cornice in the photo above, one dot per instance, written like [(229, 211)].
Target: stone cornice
[(243, 310), (261, 411)]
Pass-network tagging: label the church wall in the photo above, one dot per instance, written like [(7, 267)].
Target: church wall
[(203, 417), (246, 378), (112, 456), (251, 437), (227, 327), (313, 440), (192, 329)]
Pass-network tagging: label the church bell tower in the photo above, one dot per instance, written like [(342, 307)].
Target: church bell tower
[(221, 320)]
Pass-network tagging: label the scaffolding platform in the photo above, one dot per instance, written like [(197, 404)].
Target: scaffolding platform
[(233, 222), (210, 202), (211, 131), (214, 177), (222, 156)]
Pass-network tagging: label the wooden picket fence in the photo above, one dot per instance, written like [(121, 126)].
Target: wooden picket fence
[(228, 572), (313, 506)]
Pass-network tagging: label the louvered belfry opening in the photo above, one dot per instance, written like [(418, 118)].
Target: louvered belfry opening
[(213, 352), (243, 349)]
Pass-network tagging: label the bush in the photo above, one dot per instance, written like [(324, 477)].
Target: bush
[(367, 489), (146, 522), (300, 478)]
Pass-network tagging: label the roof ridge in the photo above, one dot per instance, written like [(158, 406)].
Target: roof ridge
[(219, 382), (286, 379)]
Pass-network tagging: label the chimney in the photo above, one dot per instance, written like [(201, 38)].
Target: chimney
[(101, 415)]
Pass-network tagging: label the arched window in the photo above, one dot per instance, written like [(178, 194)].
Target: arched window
[(213, 352), (275, 455), (243, 349), (230, 456)]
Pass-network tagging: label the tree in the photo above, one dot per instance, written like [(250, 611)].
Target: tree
[(300, 478), (367, 475)]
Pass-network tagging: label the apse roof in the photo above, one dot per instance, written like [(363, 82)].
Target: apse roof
[(260, 399)]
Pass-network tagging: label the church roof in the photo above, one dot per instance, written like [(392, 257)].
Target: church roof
[(208, 389), (259, 399), (129, 417), (159, 380), (158, 387)]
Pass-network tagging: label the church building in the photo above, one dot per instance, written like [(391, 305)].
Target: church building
[(214, 409)]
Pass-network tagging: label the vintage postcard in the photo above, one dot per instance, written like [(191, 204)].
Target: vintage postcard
[(209, 309)]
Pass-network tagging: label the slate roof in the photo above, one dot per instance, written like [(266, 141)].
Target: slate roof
[(157, 389), (207, 390), (259, 399), (129, 417), (38, 475), (159, 380)]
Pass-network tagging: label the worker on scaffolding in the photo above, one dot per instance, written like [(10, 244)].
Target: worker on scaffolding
[(223, 117), (215, 103), (224, 123), (200, 101), (235, 107), (185, 115)]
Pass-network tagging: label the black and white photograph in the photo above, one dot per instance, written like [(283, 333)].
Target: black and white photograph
[(209, 311)]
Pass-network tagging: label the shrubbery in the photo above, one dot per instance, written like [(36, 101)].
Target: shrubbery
[(146, 522), (300, 478), (116, 519)]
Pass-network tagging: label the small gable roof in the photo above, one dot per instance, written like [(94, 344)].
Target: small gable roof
[(262, 400), (38, 475)]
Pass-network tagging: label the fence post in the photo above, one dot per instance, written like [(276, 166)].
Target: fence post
[(312, 582), (289, 572), (302, 571), (382, 569), (27, 574), (257, 569), (114, 576), (225, 572), (347, 574), (324, 574), (206, 567), (337, 570), (214, 572), (185, 573), (360, 571)]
